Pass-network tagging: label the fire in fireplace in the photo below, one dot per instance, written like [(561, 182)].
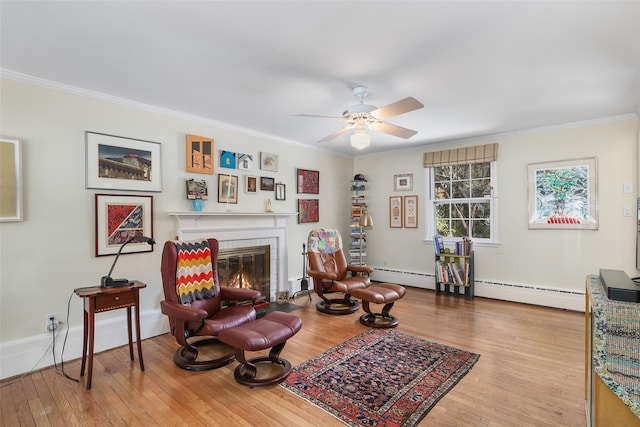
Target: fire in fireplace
[(247, 267)]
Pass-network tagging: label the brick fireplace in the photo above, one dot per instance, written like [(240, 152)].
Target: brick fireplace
[(242, 230)]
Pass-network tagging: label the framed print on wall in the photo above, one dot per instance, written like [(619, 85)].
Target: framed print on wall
[(563, 194), (410, 212), (403, 182), (269, 162), (267, 183), (119, 163), (227, 159), (197, 189), (120, 217), (308, 181), (395, 211), (251, 183), (199, 154), (11, 207), (281, 191), (227, 188), (308, 210), (245, 162)]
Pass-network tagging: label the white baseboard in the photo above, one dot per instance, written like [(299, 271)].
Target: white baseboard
[(33, 353), (524, 293)]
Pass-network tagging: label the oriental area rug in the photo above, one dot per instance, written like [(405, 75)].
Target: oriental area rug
[(380, 378)]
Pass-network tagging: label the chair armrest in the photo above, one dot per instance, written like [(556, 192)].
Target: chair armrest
[(322, 274), (179, 311), (239, 294), (359, 269)]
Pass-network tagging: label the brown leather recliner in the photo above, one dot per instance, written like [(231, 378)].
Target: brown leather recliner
[(198, 323), (331, 274)]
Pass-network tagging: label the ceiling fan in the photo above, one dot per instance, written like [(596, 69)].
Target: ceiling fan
[(362, 116)]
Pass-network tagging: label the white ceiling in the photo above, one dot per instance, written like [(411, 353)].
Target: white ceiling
[(479, 67)]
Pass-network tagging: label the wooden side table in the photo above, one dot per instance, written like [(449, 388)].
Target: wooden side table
[(96, 300)]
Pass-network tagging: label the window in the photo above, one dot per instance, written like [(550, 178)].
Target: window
[(462, 196)]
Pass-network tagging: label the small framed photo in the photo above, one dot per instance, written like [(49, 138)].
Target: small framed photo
[(197, 189), (269, 162), (410, 212), (267, 183), (281, 191), (199, 154), (245, 162), (120, 217), (119, 163), (11, 207), (308, 181), (403, 182), (227, 188), (395, 211), (308, 210), (251, 184)]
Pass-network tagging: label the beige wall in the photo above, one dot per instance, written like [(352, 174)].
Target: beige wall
[(550, 258)]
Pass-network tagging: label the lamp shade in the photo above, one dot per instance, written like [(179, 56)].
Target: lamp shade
[(366, 220), (360, 139)]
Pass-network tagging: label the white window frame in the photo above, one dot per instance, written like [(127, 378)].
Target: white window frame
[(430, 211)]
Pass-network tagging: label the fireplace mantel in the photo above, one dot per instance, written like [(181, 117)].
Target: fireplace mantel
[(238, 229)]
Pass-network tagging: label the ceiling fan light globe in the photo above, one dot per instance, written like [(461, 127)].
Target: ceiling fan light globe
[(360, 140)]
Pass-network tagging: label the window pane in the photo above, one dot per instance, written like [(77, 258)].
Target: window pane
[(460, 210), (442, 173), (481, 170), (459, 228), (480, 187), (459, 172), (442, 227), (442, 210), (441, 190), (480, 210), (481, 229), (461, 190)]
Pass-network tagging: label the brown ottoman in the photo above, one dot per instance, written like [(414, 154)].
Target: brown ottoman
[(379, 293), (273, 330)]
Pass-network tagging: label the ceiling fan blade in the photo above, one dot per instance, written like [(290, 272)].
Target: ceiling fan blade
[(325, 117), (393, 130), (397, 108), (335, 134)]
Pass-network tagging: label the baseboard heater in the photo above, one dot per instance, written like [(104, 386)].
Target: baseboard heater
[(619, 286)]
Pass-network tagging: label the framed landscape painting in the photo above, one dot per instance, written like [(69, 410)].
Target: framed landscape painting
[(563, 194), (119, 163)]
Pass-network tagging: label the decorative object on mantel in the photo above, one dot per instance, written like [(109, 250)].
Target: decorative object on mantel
[(199, 154), (268, 206)]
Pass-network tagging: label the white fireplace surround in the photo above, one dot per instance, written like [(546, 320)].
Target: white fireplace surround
[(239, 230)]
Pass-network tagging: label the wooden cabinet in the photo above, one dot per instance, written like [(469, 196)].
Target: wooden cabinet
[(454, 273), (604, 407)]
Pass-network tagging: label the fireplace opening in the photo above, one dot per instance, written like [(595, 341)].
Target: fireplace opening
[(247, 267)]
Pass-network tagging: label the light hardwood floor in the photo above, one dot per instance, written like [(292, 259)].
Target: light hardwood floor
[(530, 373)]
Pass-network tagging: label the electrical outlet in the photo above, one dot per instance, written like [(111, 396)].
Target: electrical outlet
[(51, 322)]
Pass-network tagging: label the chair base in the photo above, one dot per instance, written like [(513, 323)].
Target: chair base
[(330, 306), (186, 357), (246, 372), (379, 320)]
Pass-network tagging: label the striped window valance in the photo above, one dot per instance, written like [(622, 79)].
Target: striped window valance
[(465, 155)]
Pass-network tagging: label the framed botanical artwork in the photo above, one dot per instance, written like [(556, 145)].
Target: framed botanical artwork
[(251, 183), (308, 181), (227, 188), (395, 211), (563, 194), (269, 162), (245, 162), (120, 217), (267, 183), (119, 163), (308, 210), (11, 206), (410, 212), (281, 191), (197, 189), (227, 159), (403, 182), (199, 154)]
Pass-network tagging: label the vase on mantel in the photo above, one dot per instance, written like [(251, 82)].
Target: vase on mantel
[(197, 204)]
